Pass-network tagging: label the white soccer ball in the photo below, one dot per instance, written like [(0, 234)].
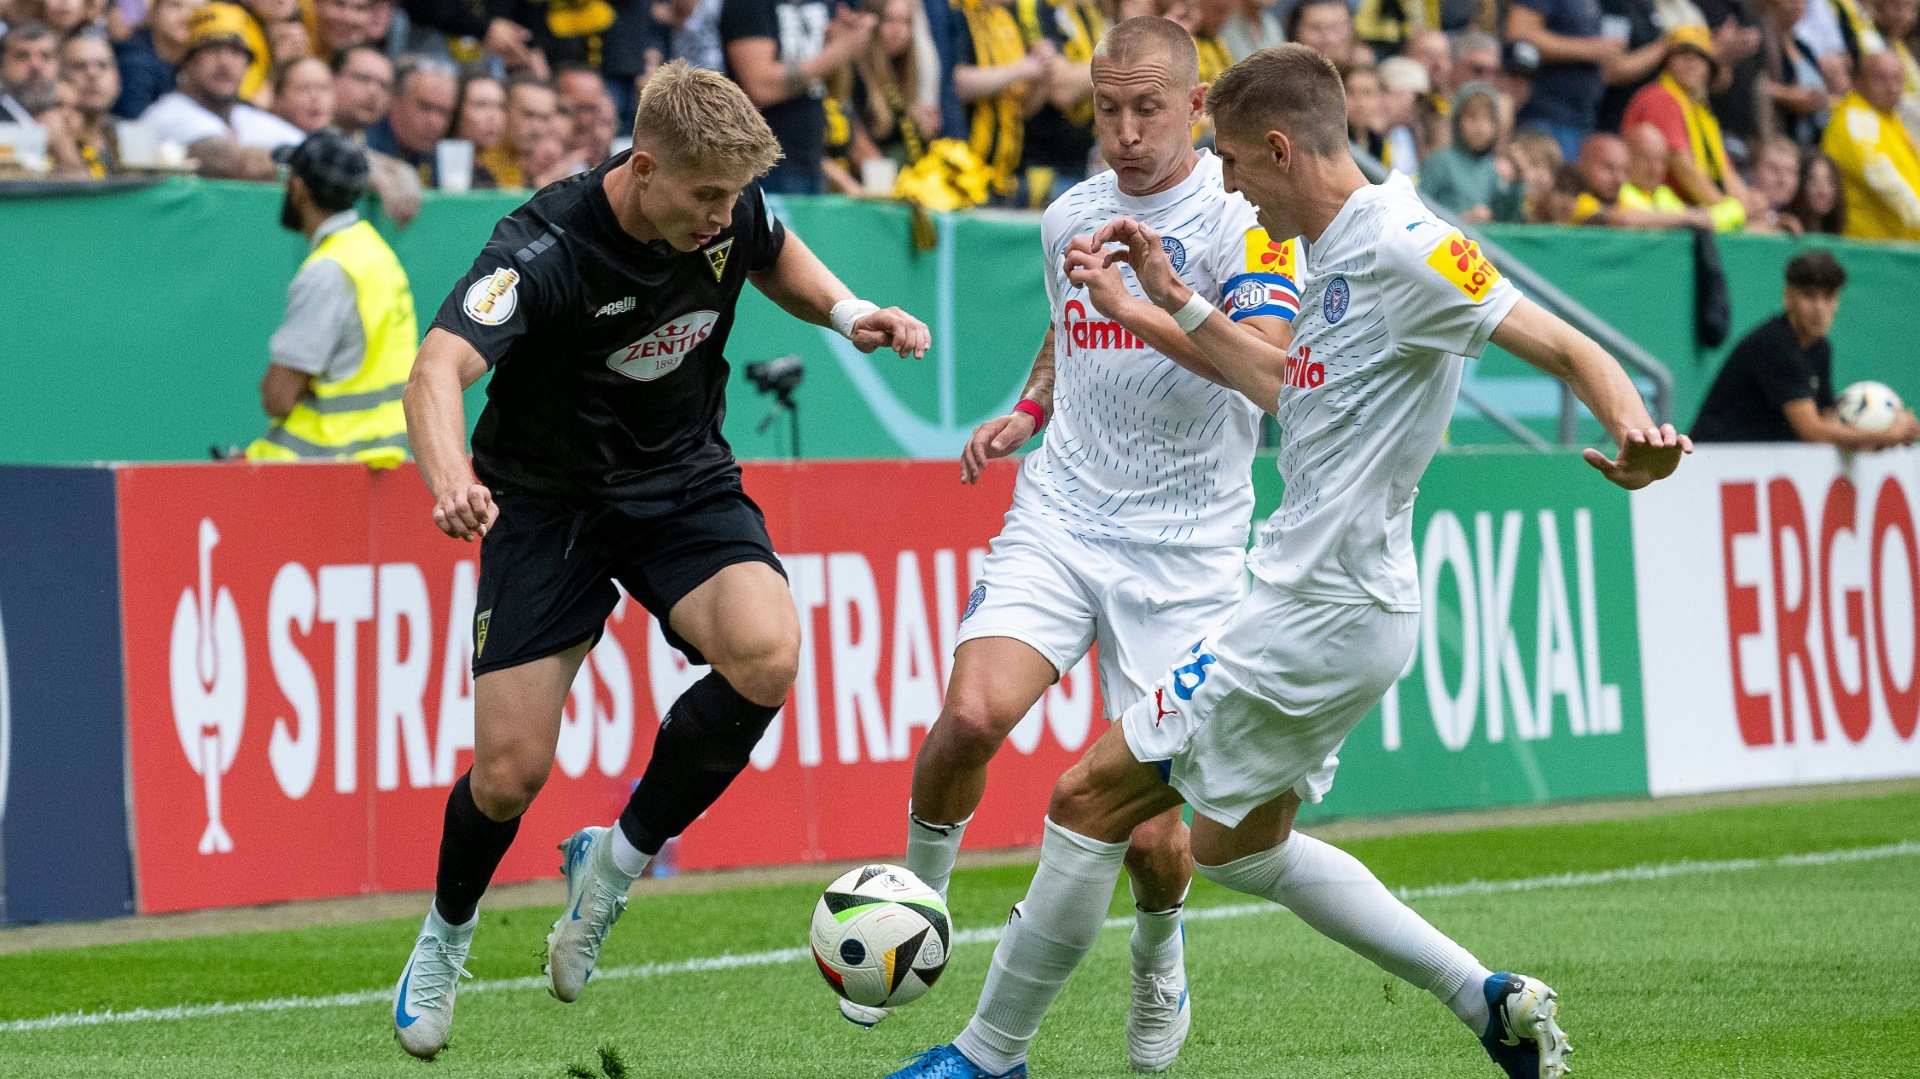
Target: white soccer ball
[(1869, 406), (880, 936)]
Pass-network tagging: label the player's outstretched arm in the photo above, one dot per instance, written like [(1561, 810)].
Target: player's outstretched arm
[(1249, 362), (1003, 434), (1648, 451), (804, 288), (437, 429)]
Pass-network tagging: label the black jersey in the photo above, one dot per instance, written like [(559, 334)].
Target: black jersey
[(609, 374)]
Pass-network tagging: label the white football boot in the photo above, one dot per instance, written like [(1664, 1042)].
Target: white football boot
[(1158, 1018), (596, 898), (1523, 1029), (423, 998)]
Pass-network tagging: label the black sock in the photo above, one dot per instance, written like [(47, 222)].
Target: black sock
[(704, 742), (471, 846)]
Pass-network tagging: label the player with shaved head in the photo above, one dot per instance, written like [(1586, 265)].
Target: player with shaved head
[(1244, 726), (1129, 522)]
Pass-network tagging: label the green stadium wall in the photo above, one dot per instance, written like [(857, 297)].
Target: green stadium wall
[(137, 322)]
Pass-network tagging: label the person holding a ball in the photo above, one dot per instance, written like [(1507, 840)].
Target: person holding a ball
[(1777, 383)]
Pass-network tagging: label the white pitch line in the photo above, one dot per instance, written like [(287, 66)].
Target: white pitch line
[(981, 935)]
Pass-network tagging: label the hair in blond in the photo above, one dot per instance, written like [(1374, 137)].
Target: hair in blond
[(700, 117), (1150, 37)]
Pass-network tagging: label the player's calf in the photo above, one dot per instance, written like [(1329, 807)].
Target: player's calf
[(1161, 867)]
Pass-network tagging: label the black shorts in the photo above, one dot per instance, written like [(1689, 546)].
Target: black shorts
[(547, 569)]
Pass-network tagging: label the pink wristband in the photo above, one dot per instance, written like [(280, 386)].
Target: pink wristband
[(1032, 408)]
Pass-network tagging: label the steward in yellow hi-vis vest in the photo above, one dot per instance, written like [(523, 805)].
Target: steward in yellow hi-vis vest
[(340, 361)]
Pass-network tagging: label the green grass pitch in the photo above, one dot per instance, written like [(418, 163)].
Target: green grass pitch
[(1729, 961)]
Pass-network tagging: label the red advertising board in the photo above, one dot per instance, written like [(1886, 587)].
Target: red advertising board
[(298, 638)]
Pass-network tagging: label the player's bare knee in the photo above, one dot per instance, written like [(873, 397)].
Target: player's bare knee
[(1078, 804), (762, 666), (968, 733), (504, 788)]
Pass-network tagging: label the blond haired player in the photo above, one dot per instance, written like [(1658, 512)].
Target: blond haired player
[(602, 307), (1244, 725), (1129, 523)]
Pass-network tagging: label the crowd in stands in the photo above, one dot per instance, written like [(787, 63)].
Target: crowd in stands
[(1767, 115)]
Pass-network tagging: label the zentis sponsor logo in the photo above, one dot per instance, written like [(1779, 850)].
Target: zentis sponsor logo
[(1823, 638), (662, 351), (1096, 333)]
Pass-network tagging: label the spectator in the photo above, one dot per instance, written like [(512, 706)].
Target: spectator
[(1793, 91), (784, 75), (1565, 99), (1366, 129), (896, 108), (1776, 179), (693, 32), (1403, 82), (205, 113), (1698, 167), (517, 160), (1326, 27), (1208, 18), (1608, 197), (1253, 27), (421, 113), (339, 24), (64, 17), (1433, 122), (1647, 161), (93, 83), (1058, 141), (1533, 160), (1636, 23), (362, 89), (1387, 25), (1519, 65), (480, 117), (1897, 19), (584, 121), (151, 55), (288, 38), (1819, 205), (1839, 33), (253, 87), (1563, 195), (1476, 58), (303, 94), (1737, 42), (29, 72), (1879, 166), (578, 89), (1003, 82), (337, 364), (1464, 177), (1777, 383)]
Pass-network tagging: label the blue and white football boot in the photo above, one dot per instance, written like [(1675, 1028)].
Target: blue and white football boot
[(946, 1062), (1522, 1034), (1158, 1018), (596, 898), (423, 998)]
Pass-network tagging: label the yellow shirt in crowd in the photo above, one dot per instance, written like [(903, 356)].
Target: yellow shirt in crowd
[(1879, 171)]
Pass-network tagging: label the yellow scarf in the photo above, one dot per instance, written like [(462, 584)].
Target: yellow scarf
[(999, 122), (1703, 131)]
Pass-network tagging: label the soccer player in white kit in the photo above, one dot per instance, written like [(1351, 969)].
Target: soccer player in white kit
[(1129, 524), (1244, 726)]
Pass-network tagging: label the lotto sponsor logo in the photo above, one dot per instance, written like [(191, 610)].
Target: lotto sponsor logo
[(1303, 371), (1095, 333), (1266, 255), (1459, 260), (665, 349)]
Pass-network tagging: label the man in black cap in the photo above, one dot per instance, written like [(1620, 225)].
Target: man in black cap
[(338, 364)]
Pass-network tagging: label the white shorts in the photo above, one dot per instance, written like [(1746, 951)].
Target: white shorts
[(1261, 707), (1060, 593)]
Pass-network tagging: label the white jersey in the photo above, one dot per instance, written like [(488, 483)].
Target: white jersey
[(1394, 299), (1139, 448)]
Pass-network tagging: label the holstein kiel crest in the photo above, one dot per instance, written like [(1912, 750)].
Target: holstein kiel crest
[(207, 674)]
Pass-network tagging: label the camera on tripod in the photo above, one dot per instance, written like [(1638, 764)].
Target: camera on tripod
[(778, 377)]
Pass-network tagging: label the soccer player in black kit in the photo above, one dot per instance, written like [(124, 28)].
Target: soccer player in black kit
[(602, 306)]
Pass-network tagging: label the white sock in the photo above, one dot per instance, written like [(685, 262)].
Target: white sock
[(1048, 934), (446, 930), (1332, 892), (627, 858), (1470, 1003), (932, 849), (1156, 933)]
